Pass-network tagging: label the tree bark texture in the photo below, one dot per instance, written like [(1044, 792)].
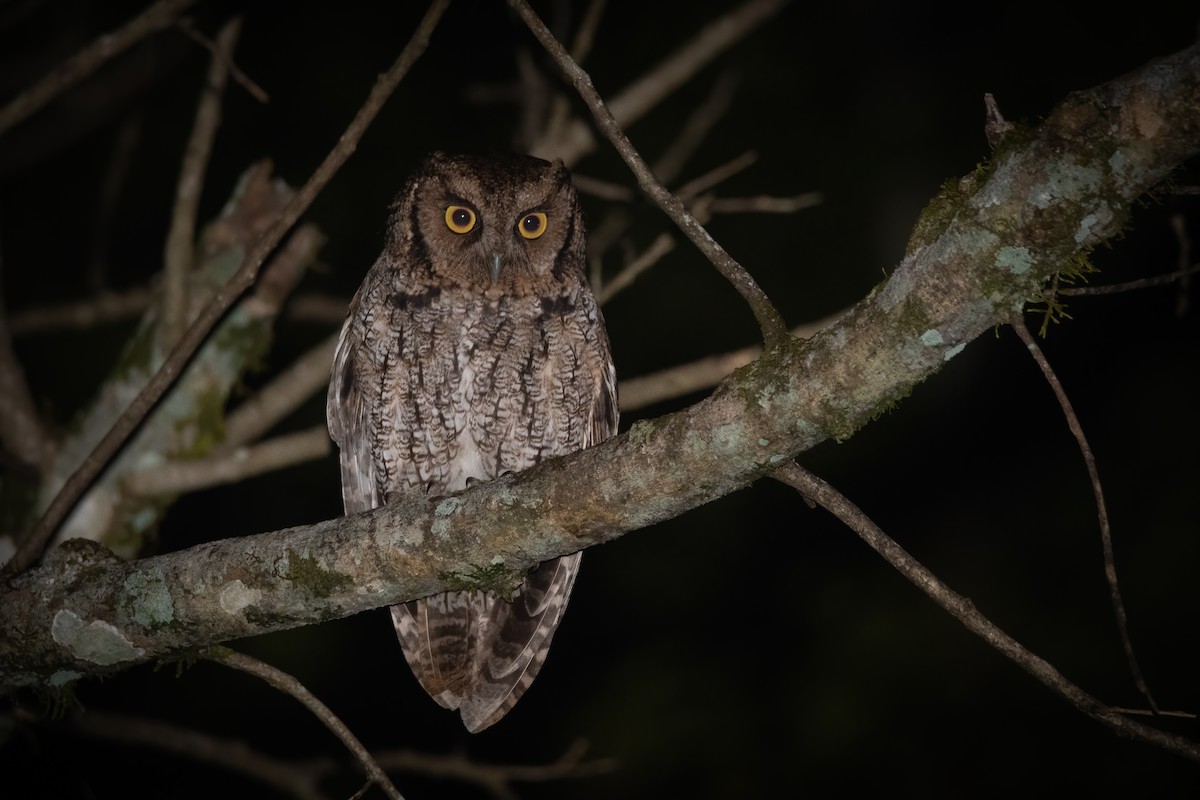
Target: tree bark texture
[(980, 251)]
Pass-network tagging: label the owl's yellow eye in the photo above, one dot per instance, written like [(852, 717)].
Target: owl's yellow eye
[(532, 225), (460, 219)]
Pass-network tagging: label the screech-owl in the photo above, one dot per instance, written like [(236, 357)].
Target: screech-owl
[(473, 348)]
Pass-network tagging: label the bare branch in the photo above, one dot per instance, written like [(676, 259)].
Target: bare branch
[(289, 685), (496, 778), (581, 47), (235, 72), (715, 175), (703, 373), (699, 124), (160, 15), (75, 486), (176, 477), (1089, 459), (181, 236), (662, 245), (763, 204), (106, 307), (765, 312), (296, 778), (21, 428), (1129, 286), (631, 103), (283, 395), (962, 609)]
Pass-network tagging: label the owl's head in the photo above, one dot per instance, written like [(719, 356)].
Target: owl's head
[(499, 224)]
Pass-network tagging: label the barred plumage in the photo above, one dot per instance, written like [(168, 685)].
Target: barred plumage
[(473, 348)]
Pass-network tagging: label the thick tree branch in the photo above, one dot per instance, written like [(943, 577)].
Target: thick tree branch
[(976, 257)]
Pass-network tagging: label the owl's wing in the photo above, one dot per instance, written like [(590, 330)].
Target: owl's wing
[(477, 653), (349, 426)]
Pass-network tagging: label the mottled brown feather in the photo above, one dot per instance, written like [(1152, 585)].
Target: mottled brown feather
[(450, 371)]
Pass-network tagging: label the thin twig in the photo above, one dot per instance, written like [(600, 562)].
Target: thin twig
[(86, 61), (662, 245), (764, 204), (715, 175), (1129, 286), (962, 609), (585, 35), (104, 308), (699, 124), (703, 373), (630, 104), (116, 171), (225, 297), (21, 428), (181, 236), (283, 395), (768, 317), (495, 778), (235, 72), (300, 779), (289, 685), (177, 477), (1089, 459)]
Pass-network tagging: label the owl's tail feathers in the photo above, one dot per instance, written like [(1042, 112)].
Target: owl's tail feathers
[(478, 654)]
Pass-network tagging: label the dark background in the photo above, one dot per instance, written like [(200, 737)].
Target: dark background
[(753, 647)]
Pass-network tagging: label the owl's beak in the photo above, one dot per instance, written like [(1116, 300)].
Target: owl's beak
[(496, 259)]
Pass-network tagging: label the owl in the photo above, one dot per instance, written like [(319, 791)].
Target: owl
[(473, 348)]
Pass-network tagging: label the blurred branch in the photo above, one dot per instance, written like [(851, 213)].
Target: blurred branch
[(245, 276), (106, 307), (1089, 460), (703, 373), (188, 423), (181, 236), (764, 310), (495, 778), (764, 204), (962, 609), (235, 72), (283, 395), (21, 430), (696, 129), (663, 244), (975, 257), (66, 75), (177, 477), (301, 778), (289, 685), (573, 141)]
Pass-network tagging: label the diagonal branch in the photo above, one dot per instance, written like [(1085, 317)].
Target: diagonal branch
[(768, 317), (962, 609), (1089, 460), (66, 75), (195, 335), (977, 255), (289, 685), (635, 100), (181, 237)]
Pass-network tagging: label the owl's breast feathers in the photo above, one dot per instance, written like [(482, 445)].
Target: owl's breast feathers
[(473, 348), (434, 386)]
